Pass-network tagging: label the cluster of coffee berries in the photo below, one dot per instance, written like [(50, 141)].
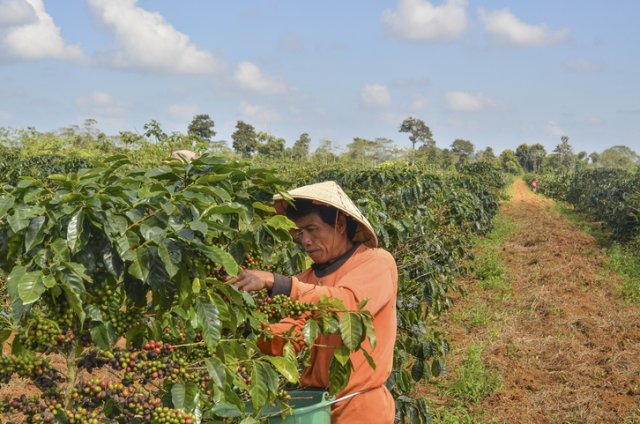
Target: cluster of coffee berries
[(281, 306), (243, 373), (44, 335), (164, 415), (124, 320), (36, 369)]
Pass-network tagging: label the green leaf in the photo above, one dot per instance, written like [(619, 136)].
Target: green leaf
[(285, 366), (35, 233), (351, 330), (263, 207), (185, 396), (338, 376), (74, 290), (13, 279), (30, 287), (217, 371), (167, 258), (20, 219), (49, 281), (74, 231), (370, 331), (103, 335), (141, 265), (369, 359), (155, 234), (221, 257), (280, 222), (208, 318), (264, 384), (310, 332), (201, 227), (225, 410), (417, 370), (341, 354), (6, 203)]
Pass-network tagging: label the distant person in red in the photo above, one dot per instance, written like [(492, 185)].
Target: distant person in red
[(534, 184)]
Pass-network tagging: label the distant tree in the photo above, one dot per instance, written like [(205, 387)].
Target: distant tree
[(463, 149), (564, 151), (202, 126), (130, 139), (621, 157), (595, 158), (446, 158), (537, 153), (524, 157), (325, 152), (300, 149), (487, 155), (509, 162), (419, 132), (381, 149), (245, 139), (153, 129), (270, 146)]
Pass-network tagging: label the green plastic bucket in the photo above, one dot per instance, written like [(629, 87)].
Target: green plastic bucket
[(309, 407)]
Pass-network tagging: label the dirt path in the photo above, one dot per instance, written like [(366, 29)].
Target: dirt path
[(565, 344)]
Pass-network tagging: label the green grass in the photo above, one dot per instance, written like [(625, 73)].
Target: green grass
[(490, 270), (623, 260), (474, 381)]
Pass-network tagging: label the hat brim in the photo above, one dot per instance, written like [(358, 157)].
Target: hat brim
[(329, 193)]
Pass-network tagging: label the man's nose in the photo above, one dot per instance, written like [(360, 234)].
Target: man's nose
[(305, 239)]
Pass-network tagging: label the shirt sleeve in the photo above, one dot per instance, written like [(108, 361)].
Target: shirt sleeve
[(372, 279)]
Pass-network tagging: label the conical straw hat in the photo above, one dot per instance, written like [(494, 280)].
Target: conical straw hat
[(331, 194)]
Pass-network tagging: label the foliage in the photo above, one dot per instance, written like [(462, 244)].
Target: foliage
[(474, 381), (117, 251), (245, 139), (608, 195)]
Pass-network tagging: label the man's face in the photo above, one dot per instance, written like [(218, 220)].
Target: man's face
[(321, 241)]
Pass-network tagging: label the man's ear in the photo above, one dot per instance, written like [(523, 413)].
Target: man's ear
[(342, 223)]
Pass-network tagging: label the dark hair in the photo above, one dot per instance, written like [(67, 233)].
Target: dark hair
[(328, 214)]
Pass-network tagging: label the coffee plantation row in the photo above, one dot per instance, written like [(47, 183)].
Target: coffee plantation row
[(611, 196), (117, 307)]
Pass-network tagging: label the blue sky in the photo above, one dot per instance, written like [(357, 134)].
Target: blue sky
[(497, 73)]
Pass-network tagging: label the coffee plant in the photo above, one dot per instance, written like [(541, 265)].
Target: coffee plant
[(120, 309), (611, 196)]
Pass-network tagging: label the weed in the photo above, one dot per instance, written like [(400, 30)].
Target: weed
[(474, 381), (624, 262)]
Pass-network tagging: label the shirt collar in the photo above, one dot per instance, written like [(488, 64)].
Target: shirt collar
[(322, 270)]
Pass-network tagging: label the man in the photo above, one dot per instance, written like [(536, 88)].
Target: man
[(348, 265)]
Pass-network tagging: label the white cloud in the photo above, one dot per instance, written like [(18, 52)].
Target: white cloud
[(419, 20), (27, 32), (146, 41), (249, 77), (183, 111), (418, 104), (462, 101), (17, 12), (582, 66), (375, 95), (264, 116), (101, 103), (554, 129), (503, 27)]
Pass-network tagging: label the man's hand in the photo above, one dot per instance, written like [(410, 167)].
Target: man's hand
[(253, 279)]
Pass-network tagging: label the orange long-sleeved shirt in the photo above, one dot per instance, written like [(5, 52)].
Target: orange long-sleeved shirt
[(368, 274)]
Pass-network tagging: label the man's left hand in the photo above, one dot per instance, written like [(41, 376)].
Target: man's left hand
[(253, 279)]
